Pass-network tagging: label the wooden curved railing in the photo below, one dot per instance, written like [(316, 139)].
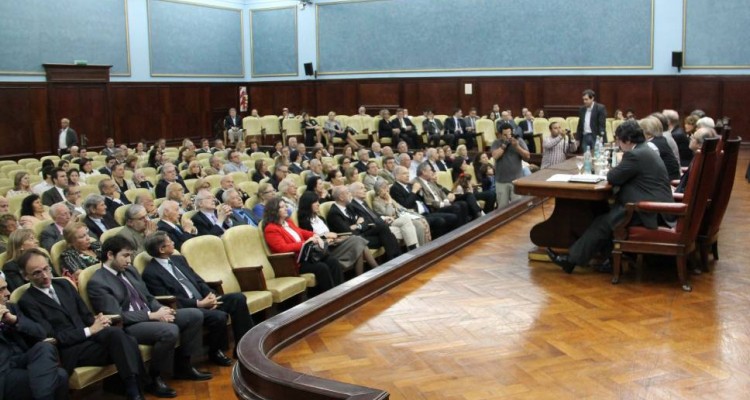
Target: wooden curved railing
[(256, 376)]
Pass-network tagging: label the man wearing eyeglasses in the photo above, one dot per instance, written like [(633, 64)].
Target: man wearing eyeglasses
[(137, 227), (169, 222), (27, 370), (211, 218), (279, 173), (82, 338)]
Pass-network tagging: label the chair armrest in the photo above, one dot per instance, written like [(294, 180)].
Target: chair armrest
[(664, 208), (216, 286), (678, 196), (250, 278), (283, 264), (169, 301)]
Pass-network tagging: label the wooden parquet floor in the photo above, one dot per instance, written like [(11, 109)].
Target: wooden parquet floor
[(486, 323)]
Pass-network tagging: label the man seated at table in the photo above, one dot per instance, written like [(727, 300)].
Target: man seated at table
[(641, 176)]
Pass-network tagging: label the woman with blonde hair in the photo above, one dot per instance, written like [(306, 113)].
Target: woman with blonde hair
[(21, 185), (83, 251), (18, 242), (265, 193), (195, 170)]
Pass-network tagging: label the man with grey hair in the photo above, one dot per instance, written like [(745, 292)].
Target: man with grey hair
[(240, 215), (147, 201), (696, 142), (364, 157), (705, 122), (112, 198), (316, 168), (404, 160), (72, 195), (679, 136), (387, 151), (137, 227), (72, 155), (347, 218), (216, 165), (169, 222), (168, 175), (52, 233), (226, 183), (211, 218), (97, 218), (667, 133)]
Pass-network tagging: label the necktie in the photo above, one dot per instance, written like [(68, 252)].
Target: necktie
[(369, 212), (177, 228), (136, 301), (185, 282), (458, 127), (53, 295), (244, 216)]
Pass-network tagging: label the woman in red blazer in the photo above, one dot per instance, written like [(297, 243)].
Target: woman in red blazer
[(283, 236)]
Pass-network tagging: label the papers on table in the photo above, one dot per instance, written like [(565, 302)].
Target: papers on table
[(585, 178)]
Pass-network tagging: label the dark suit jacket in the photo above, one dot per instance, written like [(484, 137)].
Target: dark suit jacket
[(450, 125), (109, 295), (524, 126), (361, 166), (178, 237), (51, 196), (397, 124), (338, 222), (49, 236), (432, 129), (360, 211), (641, 176), (683, 145), (105, 171), (405, 197), (15, 341), (384, 128), (237, 220), (598, 121), (71, 138), (232, 123), (206, 227), (667, 156), (161, 187), (162, 283), (112, 205), (108, 221)]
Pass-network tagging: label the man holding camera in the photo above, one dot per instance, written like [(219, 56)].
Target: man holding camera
[(508, 152), (557, 145)]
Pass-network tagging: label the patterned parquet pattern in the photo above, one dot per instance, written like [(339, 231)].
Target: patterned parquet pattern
[(486, 323)]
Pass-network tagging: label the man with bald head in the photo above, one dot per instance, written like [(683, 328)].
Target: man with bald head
[(168, 175), (53, 233), (178, 228), (227, 182)]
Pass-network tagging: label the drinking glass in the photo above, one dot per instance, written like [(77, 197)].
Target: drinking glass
[(579, 164)]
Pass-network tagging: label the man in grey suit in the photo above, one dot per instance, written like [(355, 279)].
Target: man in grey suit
[(240, 215), (640, 176), (137, 227), (55, 194), (117, 288), (53, 232), (67, 137)]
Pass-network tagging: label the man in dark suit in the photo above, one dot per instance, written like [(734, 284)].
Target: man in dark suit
[(211, 219), (456, 126), (239, 214), (112, 198), (110, 161), (409, 195), (97, 218), (640, 176), (527, 128), (170, 275), (169, 222), (55, 194), (592, 121), (679, 136), (117, 288), (233, 126), (227, 182), (28, 366), (347, 217), (52, 233), (436, 199), (434, 130), (67, 137), (404, 129), (82, 338), (168, 175)]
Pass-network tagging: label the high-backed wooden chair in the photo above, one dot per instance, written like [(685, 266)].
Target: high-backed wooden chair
[(207, 257), (708, 235), (678, 241)]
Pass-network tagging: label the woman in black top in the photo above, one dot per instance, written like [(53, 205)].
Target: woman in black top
[(313, 132)]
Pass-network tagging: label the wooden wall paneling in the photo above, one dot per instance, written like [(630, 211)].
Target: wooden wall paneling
[(338, 96), (137, 113), (379, 93), (87, 107), (189, 113), (15, 127), (261, 98), (289, 96), (700, 93), (533, 92), (506, 92), (39, 115), (621, 93), (309, 99), (566, 91), (467, 101), (667, 94), (734, 101), (442, 96)]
